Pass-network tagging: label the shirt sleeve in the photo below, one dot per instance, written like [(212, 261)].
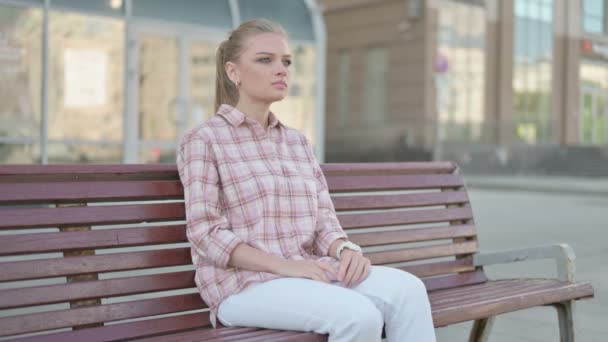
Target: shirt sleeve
[(328, 228), (207, 228)]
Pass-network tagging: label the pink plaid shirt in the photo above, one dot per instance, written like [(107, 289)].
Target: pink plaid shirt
[(265, 189)]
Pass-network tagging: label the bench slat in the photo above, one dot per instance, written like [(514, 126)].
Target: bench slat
[(102, 238), (58, 267), (97, 314), (83, 172), (455, 280), (366, 220), (128, 330), (516, 299), (412, 235), (377, 201), (418, 253), (63, 192), (392, 182), (51, 294), (439, 268), (20, 218), (388, 168)]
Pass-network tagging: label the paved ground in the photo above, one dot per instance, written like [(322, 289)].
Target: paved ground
[(514, 219)]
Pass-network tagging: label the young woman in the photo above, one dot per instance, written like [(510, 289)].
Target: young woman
[(266, 243)]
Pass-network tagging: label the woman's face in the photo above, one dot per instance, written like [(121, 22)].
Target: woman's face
[(263, 68)]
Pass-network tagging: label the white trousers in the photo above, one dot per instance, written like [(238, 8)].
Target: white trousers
[(388, 296)]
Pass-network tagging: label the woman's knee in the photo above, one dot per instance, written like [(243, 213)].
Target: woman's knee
[(361, 322)]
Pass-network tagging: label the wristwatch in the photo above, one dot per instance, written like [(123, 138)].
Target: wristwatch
[(347, 245)]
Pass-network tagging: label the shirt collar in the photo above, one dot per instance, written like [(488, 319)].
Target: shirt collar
[(235, 117)]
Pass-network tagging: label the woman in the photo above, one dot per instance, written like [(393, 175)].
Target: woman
[(267, 246)]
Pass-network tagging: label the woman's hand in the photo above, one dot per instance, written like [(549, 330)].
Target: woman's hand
[(310, 269), (354, 268)]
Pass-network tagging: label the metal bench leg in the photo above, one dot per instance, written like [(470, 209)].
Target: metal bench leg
[(480, 332), (565, 315)]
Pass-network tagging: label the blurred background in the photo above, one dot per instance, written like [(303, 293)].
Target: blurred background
[(509, 87)]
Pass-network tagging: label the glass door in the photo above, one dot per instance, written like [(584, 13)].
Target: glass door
[(594, 115), (175, 88)]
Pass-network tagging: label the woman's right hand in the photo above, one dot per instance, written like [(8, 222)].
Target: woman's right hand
[(310, 269)]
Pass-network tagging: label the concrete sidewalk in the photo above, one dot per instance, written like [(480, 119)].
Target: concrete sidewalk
[(555, 184)]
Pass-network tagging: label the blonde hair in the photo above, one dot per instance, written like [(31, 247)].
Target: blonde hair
[(230, 51)]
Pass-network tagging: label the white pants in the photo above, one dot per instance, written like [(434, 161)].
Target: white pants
[(388, 295)]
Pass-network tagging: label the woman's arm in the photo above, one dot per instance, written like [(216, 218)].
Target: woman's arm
[(253, 259)]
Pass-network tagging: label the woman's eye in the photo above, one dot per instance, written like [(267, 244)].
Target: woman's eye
[(287, 62), (264, 59)]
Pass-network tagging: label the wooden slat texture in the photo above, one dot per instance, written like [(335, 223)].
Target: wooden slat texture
[(50, 294), (418, 253), (74, 172), (57, 267), (438, 268), (377, 201), (330, 169), (412, 235), (103, 238), (20, 218), (452, 306), (455, 280), (97, 314), (393, 218), (63, 192), (392, 182), (129, 330)]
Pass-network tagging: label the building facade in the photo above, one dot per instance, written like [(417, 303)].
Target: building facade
[(496, 85), (119, 81)]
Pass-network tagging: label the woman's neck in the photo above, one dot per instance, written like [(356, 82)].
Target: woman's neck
[(254, 110)]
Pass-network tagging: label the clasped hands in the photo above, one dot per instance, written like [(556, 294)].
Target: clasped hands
[(354, 268)]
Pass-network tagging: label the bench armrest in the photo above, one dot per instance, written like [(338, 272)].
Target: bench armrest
[(561, 253)]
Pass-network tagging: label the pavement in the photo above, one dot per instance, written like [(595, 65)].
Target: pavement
[(546, 184)]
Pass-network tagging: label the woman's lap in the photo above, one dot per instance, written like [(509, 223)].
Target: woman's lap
[(310, 305)]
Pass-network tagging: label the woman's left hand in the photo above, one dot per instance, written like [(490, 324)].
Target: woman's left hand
[(354, 268)]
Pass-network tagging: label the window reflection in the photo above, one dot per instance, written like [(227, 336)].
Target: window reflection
[(86, 85), (20, 70), (594, 102), (594, 16), (459, 70), (533, 59)]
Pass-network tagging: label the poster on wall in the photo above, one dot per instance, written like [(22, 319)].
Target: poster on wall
[(85, 77)]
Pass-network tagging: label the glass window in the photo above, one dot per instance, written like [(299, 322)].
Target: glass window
[(215, 13), (20, 71), (293, 15), (111, 7), (86, 80), (375, 85), (594, 16), (158, 87), (532, 80), (343, 88), (19, 153), (593, 102), (459, 70), (84, 153)]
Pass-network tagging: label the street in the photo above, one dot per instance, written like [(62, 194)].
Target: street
[(509, 220)]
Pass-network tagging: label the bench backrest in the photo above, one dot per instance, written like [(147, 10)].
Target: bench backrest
[(85, 245)]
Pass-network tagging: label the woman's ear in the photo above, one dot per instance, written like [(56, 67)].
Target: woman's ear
[(232, 72)]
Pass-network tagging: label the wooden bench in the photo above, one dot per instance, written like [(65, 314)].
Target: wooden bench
[(72, 275)]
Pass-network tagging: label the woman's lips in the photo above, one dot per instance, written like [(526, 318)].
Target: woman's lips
[(280, 85)]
